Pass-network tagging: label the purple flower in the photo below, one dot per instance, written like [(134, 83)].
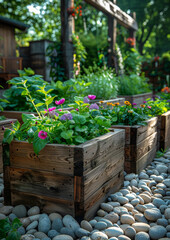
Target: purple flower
[(61, 101), (50, 109), (135, 107), (134, 104), (86, 100), (144, 101), (94, 106), (66, 116), (91, 97), (149, 107), (42, 134)]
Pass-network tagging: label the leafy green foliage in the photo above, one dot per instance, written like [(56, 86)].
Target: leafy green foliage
[(16, 98), (104, 83), (8, 230), (156, 107), (54, 126), (133, 84), (2, 118)]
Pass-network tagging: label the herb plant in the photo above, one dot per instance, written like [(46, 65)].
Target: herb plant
[(8, 230)]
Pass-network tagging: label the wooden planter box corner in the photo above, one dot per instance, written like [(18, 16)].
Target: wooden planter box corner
[(67, 179), (140, 145)]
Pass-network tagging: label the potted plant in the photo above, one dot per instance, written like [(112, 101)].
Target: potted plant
[(140, 134), (63, 161)]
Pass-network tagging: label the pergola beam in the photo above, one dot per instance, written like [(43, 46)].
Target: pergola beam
[(109, 8)]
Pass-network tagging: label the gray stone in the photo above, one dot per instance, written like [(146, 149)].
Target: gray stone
[(20, 211), (128, 206), (101, 213), (123, 237), (122, 200), (152, 214), (130, 232), (52, 233), (6, 210), (93, 222), (158, 202), (34, 224), (86, 225), (143, 175), (130, 196), (161, 168), (44, 224), (113, 217), (27, 237), (141, 208), (40, 235), (80, 232), (35, 217), (63, 237), (2, 216), (70, 222), (25, 221), (134, 202), (32, 231), (57, 224), (106, 207), (139, 217), (163, 222), (146, 198), (126, 183), (167, 213), (130, 176), (33, 211), (157, 232), (127, 219), (113, 231), (124, 191), (108, 222), (167, 182), (141, 227), (120, 210), (99, 236), (12, 216), (142, 236), (68, 231), (100, 225), (52, 216)]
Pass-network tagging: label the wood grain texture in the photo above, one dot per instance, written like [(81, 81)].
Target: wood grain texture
[(165, 131), (54, 157), (66, 176)]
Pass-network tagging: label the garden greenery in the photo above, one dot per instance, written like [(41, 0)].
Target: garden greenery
[(8, 230), (57, 126), (133, 84)]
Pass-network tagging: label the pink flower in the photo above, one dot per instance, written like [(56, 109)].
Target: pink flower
[(50, 109), (61, 101), (42, 134), (91, 97), (134, 104), (149, 107), (135, 107), (77, 109), (59, 110), (144, 101)]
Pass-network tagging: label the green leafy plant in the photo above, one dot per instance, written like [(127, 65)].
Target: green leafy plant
[(104, 82), (57, 126), (2, 118), (14, 96), (155, 107), (133, 84), (125, 115), (160, 153), (8, 230)]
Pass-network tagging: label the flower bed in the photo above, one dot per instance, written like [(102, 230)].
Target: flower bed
[(140, 145), (138, 98), (65, 178), (6, 123)]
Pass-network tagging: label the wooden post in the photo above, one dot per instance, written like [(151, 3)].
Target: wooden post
[(112, 24), (67, 29), (132, 32)]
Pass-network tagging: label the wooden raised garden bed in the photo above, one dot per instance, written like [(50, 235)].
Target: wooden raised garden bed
[(164, 139), (66, 179), (138, 98), (6, 124), (140, 145)]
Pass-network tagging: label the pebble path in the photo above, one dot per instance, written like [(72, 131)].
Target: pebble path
[(139, 211)]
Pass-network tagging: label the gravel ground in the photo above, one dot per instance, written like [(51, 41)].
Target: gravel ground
[(140, 211)]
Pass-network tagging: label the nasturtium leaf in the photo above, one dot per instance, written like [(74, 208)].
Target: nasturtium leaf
[(38, 143), (79, 119), (8, 136)]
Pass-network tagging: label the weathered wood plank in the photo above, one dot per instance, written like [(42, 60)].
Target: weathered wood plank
[(93, 202), (102, 174), (59, 158), (1, 159), (135, 152), (42, 183), (113, 10), (47, 204), (165, 131)]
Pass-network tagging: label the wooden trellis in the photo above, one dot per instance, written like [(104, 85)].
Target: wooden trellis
[(115, 15)]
